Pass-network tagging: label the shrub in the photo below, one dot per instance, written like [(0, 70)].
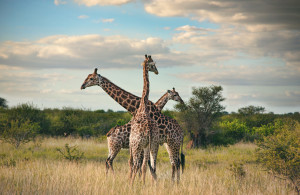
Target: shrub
[(234, 130), (280, 154), (18, 132), (24, 112), (264, 130), (71, 153)]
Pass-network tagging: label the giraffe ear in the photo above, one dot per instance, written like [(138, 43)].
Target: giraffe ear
[(146, 56), (173, 89), (95, 71)]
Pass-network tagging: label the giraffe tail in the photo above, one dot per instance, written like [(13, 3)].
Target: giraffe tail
[(182, 157)]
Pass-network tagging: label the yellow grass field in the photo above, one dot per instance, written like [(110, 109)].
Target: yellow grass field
[(37, 168)]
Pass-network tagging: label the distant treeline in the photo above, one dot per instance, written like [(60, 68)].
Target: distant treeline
[(63, 122), (68, 121)]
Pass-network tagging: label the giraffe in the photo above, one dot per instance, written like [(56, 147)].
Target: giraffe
[(144, 132), (170, 131), (118, 137)]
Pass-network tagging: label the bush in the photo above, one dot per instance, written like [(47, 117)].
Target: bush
[(71, 153), (18, 132), (234, 130), (280, 154), (264, 130), (24, 112)]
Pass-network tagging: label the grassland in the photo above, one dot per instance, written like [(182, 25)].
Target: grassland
[(37, 168)]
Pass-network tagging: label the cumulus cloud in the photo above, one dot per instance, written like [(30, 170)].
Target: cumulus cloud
[(284, 44), (61, 51), (90, 3), (246, 76), (108, 20), (83, 17), (275, 99), (59, 2), (275, 14), (257, 28)]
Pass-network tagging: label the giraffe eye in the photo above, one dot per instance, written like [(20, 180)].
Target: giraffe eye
[(92, 79)]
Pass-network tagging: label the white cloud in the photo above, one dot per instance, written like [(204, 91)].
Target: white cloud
[(61, 51), (108, 20), (250, 13), (282, 44), (274, 99), (90, 3), (245, 76), (59, 2), (83, 17)]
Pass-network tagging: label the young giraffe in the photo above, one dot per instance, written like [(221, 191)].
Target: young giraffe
[(144, 133), (118, 137), (170, 131)]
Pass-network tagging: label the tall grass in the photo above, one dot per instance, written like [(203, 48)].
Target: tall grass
[(39, 169)]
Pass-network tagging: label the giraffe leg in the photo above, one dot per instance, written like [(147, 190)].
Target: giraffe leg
[(153, 156), (173, 151), (141, 162), (106, 164), (136, 165), (173, 172), (130, 162), (145, 156), (110, 159)]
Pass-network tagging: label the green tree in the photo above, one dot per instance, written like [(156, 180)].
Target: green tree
[(3, 103), (251, 110), (24, 112), (280, 154), (18, 132), (199, 113)]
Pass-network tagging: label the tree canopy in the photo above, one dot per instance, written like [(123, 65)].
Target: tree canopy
[(200, 111)]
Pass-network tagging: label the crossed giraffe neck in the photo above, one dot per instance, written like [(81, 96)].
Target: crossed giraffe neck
[(172, 133), (118, 136)]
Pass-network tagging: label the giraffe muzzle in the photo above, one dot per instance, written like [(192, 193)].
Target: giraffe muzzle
[(82, 86)]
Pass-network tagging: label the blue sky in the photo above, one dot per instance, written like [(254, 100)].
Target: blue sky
[(251, 49)]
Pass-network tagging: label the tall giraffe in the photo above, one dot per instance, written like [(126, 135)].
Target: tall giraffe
[(118, 137), (170, 131), (144, 132)]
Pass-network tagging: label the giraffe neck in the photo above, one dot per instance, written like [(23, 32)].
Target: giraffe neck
[(127, 100), (160, 104), (145, 95)]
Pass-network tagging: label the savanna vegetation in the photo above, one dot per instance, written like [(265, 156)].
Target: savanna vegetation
[(55, 151)]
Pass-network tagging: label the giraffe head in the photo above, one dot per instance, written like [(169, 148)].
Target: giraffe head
[(174, 95), (91, 80), (148, 62)]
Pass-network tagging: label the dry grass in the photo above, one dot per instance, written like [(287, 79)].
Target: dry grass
[(42, 171)]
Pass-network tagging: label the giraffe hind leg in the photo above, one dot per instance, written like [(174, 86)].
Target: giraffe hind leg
[(110, 159), (153, 157)]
